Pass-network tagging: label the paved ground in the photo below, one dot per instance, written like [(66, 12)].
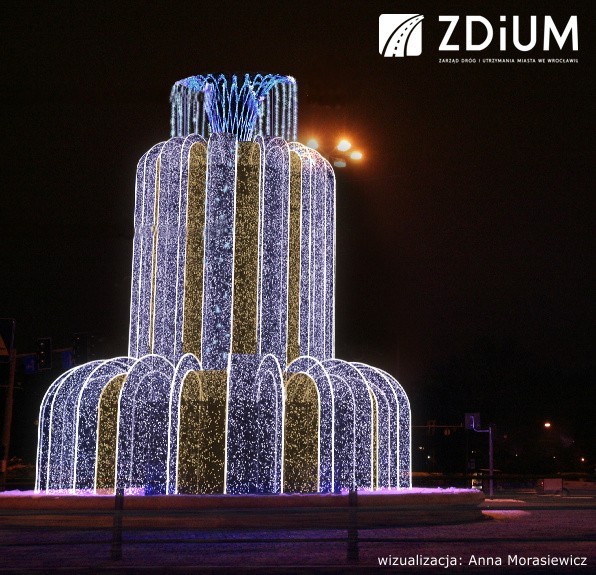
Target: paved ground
[(516, 527)]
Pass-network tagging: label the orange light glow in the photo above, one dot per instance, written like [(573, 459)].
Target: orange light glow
[(344, 146)]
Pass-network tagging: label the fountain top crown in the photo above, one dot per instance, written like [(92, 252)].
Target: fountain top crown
[(263, 105)]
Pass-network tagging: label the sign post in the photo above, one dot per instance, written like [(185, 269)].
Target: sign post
[(7, 420), (7, 354)]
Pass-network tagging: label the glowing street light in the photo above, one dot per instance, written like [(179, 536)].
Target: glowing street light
[(339, 156), (547, 424)]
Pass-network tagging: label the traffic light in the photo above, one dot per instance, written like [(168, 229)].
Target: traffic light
[(44, 353), (80, 348)]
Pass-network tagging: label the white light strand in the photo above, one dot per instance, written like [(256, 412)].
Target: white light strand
[(143, 426), (127, 422), (274, 261), (86, 419), (219, 252)]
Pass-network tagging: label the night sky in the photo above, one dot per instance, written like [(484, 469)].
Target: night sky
[(465, 244)]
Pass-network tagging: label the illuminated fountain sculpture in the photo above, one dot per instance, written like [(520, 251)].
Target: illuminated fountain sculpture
[(230, 384)]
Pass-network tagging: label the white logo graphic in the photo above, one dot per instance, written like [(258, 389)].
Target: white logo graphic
[(400, 35)]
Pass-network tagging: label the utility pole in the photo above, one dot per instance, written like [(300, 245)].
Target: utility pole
[(8, 419)]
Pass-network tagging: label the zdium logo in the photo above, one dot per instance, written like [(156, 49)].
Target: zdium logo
[(400, 35)]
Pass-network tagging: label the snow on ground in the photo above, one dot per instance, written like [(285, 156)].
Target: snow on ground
[(363, 492), (504, 514)]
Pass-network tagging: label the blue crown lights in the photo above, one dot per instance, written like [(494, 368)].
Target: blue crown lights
[(230, 384)]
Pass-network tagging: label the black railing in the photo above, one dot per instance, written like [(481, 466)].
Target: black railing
[(129, 525)]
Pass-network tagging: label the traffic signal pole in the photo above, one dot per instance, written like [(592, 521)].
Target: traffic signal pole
[(8, 419), (472, 421), (491, 470)]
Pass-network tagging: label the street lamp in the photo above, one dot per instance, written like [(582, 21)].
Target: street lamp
[(344, 146), (340, 155)]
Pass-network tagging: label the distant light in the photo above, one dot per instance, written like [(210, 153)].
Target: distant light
[(356, 155), (547, 424), (428, 457), (344, 146), (582, 459), (340, 163), (312, 143)]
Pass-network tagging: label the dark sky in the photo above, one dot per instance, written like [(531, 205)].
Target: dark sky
[(467, 227)]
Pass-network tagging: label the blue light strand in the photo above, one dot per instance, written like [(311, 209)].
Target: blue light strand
[(233, 107)]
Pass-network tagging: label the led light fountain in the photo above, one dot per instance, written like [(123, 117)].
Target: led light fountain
[(230, 384)]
